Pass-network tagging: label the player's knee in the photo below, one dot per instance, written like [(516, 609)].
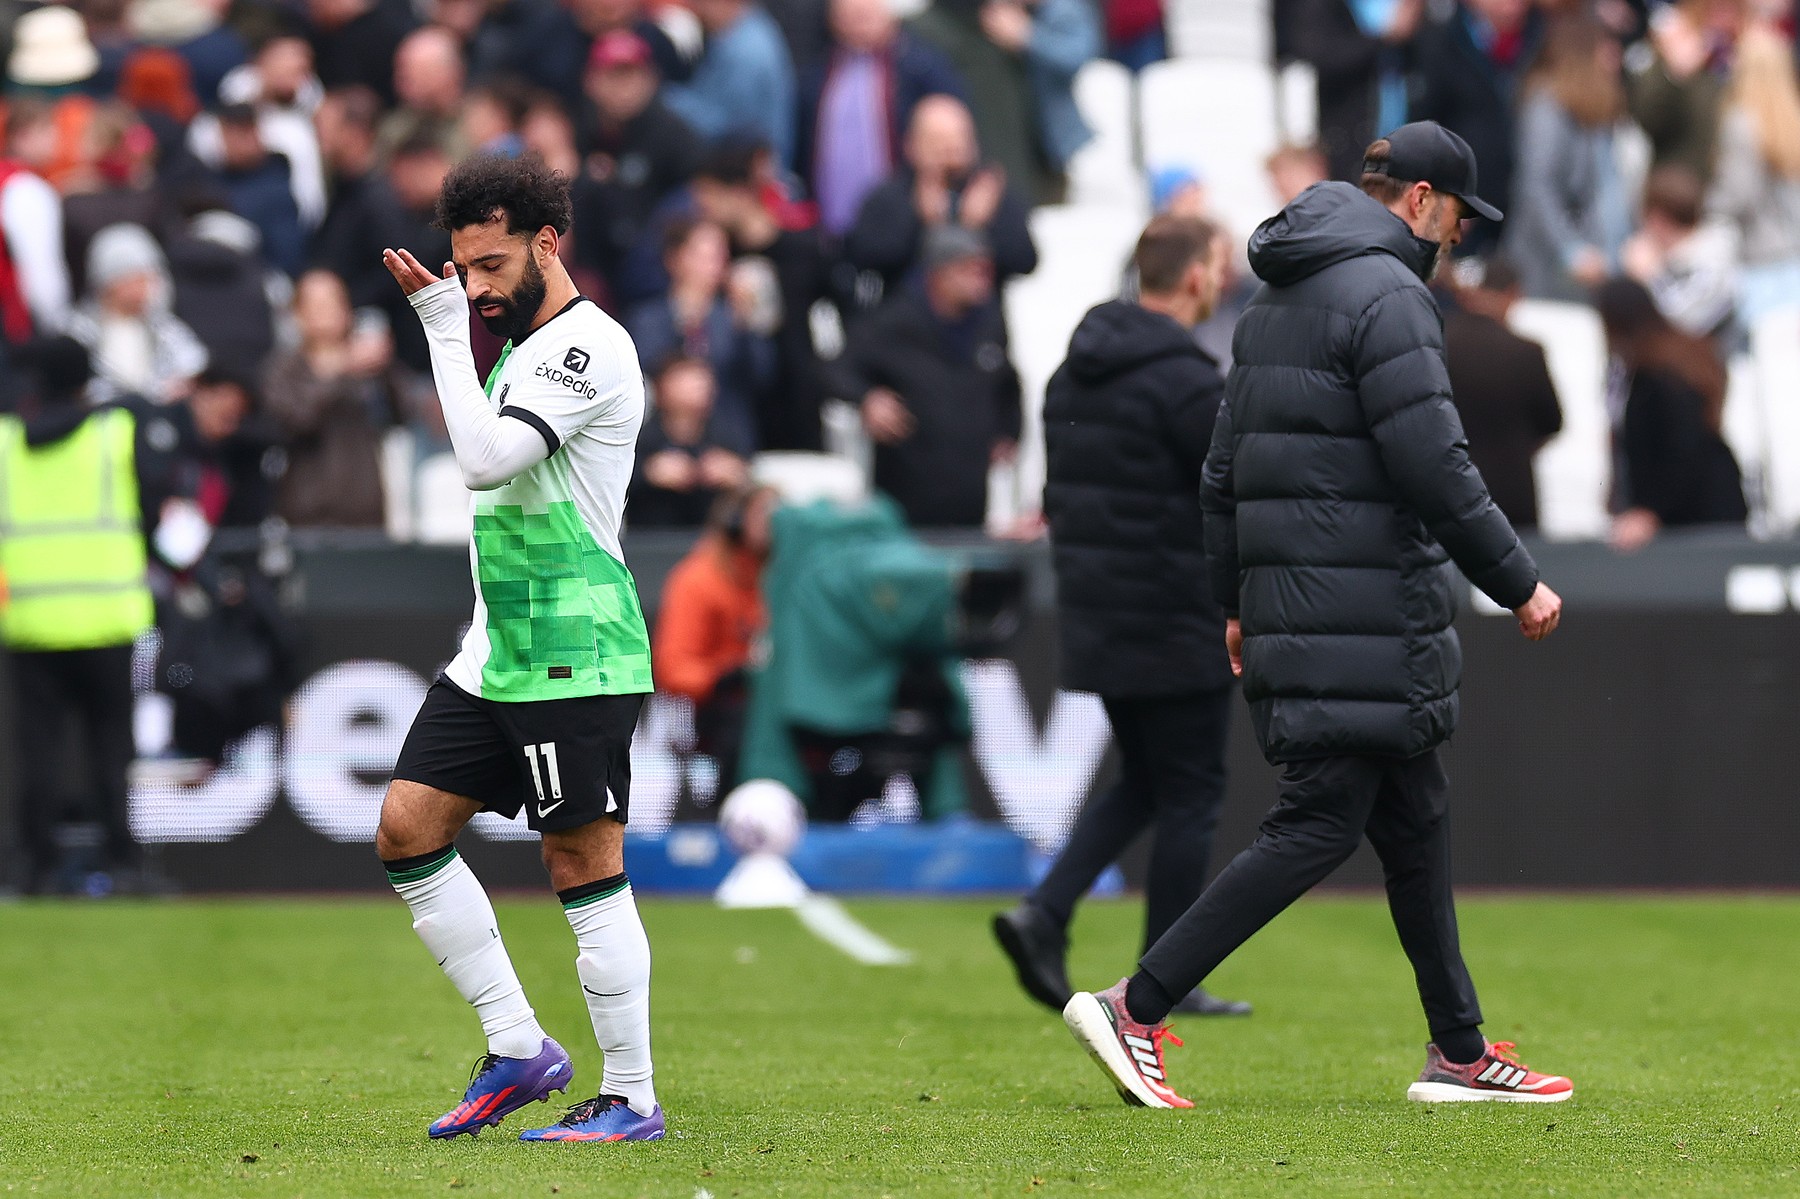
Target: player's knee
[(396, 836), (388, 842), (573, 865)]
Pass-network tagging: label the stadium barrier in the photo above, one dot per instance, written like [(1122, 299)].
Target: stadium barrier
[(1643, 745)]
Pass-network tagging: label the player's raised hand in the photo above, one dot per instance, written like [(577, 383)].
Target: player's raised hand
[(1540, 614), (409, 273)]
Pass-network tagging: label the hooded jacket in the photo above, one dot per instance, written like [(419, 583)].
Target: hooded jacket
[(1127, 419), (1338, 489)]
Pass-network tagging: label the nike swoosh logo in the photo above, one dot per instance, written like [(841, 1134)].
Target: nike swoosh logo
[(545, 811), (603, 994)]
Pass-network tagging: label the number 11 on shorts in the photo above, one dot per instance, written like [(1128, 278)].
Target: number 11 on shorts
[(547, 751)]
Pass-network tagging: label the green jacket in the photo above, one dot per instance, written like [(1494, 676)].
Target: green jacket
[(852, 596)]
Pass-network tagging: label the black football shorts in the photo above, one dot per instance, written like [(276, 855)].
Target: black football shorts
[(566, 762)]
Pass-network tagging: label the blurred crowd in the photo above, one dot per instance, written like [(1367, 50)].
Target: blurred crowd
[(805, 200)]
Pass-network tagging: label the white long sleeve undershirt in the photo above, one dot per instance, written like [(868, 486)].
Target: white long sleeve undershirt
[(491, 450)]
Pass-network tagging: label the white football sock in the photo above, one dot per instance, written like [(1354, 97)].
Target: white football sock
[(614, 965), (452, 915)]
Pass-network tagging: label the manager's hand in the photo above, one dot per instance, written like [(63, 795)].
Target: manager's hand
[(1540, 614), (1234, 645)]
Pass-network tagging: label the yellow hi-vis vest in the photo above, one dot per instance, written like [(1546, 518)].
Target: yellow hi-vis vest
[(71, 549)]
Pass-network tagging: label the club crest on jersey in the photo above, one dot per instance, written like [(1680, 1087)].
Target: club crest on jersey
[(564, 379), (576, 361)]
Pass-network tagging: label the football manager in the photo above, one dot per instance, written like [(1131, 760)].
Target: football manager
[(1337, 492)]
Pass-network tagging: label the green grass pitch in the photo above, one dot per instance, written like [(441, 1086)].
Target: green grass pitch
[(288, 1048)]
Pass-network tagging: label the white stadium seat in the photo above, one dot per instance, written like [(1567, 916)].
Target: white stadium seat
[(1775, 353), (1747, 434), (1574, 470), (1297, 87), (1216, 115), (1105, 171), (1240, 29), (802, 477)]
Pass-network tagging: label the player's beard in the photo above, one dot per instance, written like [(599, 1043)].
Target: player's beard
[(518, 309)]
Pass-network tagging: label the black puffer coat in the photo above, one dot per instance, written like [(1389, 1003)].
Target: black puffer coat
[(1127, 419), (1337, 480)]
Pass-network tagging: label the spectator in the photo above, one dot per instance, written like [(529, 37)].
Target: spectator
[(355, 43), (938, 395), (73, 556), (112, 40), (1687, 266), (1354, 48), (53, 62), (1503, 390), (1570, 215), (1672, 467), (855, 106), (196, 30), (280, 85), (138, 346), (428, 85), (330, 400), (745, 80), (1677, 80), (704, 317), (34, 281), (711, 614), (686, 455), (636, 152), (415, 176), (117, 186), (234, 451), (156, 83), (944, 180), (492, 115), (727, 191), (806, 28), (1294, 168), (549, 132), (225, 290), (594, 19), (363, 216), (1757, 188), (525, 39), (1467, 73), (1135, 34), (1019, 58), (258, 186), (1178, 191)]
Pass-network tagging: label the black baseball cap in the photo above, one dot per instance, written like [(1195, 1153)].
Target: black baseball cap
[(1426, 152)]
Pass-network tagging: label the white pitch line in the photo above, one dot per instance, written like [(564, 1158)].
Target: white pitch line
[(827, 920)]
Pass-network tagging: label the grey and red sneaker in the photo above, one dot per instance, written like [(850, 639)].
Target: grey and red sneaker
[(1130, 1053), (1497, 1076), (500, 1086)]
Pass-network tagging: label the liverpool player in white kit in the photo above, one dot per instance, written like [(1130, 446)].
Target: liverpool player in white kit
[(538, 709)]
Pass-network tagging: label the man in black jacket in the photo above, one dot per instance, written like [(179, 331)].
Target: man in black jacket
[(939, 395), (1127, 419), (1337, 491)]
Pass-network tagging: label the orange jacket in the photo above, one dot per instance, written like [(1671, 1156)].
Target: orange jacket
[(712, 611)]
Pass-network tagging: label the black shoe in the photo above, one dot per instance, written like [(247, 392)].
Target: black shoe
[(1037, 949), (1201, 1002)]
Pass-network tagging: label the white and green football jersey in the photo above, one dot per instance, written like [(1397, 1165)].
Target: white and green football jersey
[(556, 611)]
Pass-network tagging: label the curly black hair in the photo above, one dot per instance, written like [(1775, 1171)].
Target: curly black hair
[(525, 190)]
